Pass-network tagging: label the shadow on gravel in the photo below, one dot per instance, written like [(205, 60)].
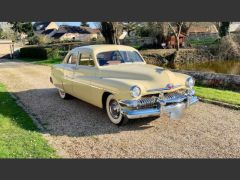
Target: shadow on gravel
[(72, 117)]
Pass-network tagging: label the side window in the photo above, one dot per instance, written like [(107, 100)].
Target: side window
[(72, 59), (85, 59)]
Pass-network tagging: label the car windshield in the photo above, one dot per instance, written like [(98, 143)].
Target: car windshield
[(118, 57)]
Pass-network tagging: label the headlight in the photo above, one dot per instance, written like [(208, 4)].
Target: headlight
[(190, 82), (135, 91)]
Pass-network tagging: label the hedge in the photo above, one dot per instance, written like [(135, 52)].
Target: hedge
[(33, 52), (39, 53)]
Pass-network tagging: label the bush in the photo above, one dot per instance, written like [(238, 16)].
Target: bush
[(94, 39), (40, 39), (33, 52), (41, 53), (53, 53)]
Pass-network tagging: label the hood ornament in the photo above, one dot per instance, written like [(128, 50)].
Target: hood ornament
[(170, 86)]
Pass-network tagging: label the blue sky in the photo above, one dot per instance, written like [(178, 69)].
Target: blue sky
[(92, 24)]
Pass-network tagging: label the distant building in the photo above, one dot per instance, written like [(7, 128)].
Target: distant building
[(65, 32), (75, 33), (40, 27), (234, 27), (171, 41), (198, 30)]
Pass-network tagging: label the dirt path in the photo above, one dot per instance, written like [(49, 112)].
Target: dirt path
[(77, 129)]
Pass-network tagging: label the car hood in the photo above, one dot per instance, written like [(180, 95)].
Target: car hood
[(148, 77)]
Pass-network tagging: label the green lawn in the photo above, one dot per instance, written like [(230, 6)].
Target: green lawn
[(218, 95), (19, 137), (202, 41), (48, 62)]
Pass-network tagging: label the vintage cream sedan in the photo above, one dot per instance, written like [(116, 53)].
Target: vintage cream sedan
[(117, 78)]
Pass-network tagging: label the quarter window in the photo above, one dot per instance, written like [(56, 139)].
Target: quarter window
[(69, 59), (72, 59)]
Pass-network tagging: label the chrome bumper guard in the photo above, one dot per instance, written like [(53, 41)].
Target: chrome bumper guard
[(173, 110)]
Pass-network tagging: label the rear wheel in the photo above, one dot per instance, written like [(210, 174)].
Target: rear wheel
[(114, 113), (62, 94)]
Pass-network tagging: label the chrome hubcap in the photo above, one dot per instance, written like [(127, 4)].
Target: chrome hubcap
[(114, 109), (62, 94)]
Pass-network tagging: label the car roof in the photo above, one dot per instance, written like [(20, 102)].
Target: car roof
[(105, 47)]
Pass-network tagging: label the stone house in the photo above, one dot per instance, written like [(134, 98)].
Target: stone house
[(209, 30), (234, 27), (75, 33), (40, 27)]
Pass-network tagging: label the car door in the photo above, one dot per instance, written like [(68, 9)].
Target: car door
[(83, 75), (69, 69)]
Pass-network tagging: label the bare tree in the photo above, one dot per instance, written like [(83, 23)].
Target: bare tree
[(130, 26), (111, 31), (176, 29), (185, 27), (157, 30)]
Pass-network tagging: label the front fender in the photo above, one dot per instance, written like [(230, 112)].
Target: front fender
[(120, 88)]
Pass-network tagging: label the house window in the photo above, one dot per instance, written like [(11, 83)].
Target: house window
[(86, 60)]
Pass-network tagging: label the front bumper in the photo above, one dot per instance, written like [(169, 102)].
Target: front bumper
[(174, 110)]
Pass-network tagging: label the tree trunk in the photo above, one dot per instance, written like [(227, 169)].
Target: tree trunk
[(178, 43)]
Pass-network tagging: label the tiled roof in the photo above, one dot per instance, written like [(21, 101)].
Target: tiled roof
[(42, 25), (58, 35), (48, 31), (206, 29), (77, 29)]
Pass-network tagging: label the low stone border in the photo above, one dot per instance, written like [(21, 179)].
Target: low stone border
[(219, 103)]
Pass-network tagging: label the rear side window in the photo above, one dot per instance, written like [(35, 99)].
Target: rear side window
[(86, 59)]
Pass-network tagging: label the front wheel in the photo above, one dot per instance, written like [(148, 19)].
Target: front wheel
[(62, 94), (113, 109)]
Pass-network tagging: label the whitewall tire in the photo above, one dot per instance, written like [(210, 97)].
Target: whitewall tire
[(114, 113), (62, 94)]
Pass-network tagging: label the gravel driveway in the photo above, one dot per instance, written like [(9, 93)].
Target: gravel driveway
[(79, 130)]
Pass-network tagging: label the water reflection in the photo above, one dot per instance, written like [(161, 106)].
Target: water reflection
[(226, 67)]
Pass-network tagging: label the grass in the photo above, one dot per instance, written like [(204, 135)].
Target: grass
[(19, 137), (48, 62), (226, 96), (202, 41)]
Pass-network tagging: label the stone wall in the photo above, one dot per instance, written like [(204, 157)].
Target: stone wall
[(160, 56), (224, 81)]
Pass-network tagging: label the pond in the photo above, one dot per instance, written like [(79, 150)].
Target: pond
[(225, 67)]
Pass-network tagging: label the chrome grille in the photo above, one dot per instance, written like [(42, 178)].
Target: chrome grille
[(151, 101), (174, 97)]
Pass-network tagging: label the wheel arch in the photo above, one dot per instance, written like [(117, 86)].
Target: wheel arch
[(104, 98)]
